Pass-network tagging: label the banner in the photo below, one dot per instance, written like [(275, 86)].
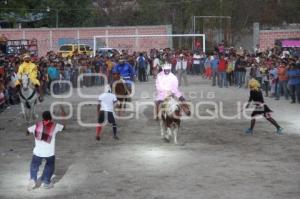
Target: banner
[(290, 43)]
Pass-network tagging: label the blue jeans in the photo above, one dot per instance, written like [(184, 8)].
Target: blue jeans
[(241, 78), (202, 66), (236, 78), (283, 89), (295, 92), (48, 170), (196, 69), (56, 89), (214, 76), (222, 79)]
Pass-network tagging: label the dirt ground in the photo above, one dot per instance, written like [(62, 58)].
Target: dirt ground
[(214, 158)]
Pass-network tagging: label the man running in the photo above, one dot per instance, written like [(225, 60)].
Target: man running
[(105, 112)]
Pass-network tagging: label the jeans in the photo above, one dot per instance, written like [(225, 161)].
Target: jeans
[(283, 89), (201, 67), (236, 78), (222, 79), (48, 170), (181, 74), (196, 69), (295, 92), (276, 88), (230, 78), (55, 87), (142, 74), (214, 76), (87, 79), (266, 87), (241, 78)]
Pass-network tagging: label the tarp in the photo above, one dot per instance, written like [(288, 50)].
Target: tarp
[(290, 43)]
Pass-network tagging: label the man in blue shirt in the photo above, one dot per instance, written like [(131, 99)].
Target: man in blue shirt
[(214, 63), (126, 72), (294, 82), (141, 67)]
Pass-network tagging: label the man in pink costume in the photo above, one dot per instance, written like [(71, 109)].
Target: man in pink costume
[(166, 85)]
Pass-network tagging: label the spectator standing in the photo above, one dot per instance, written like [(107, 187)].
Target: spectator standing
[(181, 67), (283, 80), (293, 74), (53, 75), (196, 63), (156, 66), (214, 64), (142, 67), (222, 68)]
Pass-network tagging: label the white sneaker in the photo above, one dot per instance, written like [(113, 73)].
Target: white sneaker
[(47, 186), (31, 185)]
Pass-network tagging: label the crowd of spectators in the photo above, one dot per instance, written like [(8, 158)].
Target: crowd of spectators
[(277, 69)]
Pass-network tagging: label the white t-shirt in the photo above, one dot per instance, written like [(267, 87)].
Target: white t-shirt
[(42, 148), (196, 59), (184, 64), (107, 101), (156, 63)]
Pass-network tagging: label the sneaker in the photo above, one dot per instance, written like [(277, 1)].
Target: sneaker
[(279, 130), (47, 186), (249, 131), (31, 185)]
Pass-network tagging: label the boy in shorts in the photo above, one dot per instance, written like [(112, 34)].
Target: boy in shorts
[(105, 112)]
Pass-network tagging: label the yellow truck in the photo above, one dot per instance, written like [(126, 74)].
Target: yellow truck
[(71, 49)]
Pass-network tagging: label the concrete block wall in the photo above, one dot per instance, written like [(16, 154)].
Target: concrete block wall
[(267, 38), (48, 39)]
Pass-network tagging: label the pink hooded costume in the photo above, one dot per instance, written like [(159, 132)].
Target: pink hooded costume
[(166, 85)]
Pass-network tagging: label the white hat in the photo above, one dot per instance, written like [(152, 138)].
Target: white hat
[(107, 89), (181, 55), (167, 66), (26, 56)]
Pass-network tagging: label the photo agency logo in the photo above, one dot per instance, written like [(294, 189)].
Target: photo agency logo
[(139, 106)]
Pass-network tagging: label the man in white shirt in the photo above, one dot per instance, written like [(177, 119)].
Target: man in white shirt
[(44, 133), (196, 63), (105, 112), (181, 66)]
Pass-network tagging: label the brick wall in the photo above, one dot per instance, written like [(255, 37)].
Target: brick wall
[(267, 37), (50, 39)]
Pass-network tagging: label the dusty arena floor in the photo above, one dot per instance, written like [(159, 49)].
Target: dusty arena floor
[(214, 158)]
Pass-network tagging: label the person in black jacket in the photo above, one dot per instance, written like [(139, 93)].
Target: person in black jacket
[(261, 108)]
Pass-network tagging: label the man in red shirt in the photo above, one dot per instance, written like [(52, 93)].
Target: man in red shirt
[(283, 80), (222, 79)]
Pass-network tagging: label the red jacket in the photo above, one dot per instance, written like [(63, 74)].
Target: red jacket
[(222, 65)]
